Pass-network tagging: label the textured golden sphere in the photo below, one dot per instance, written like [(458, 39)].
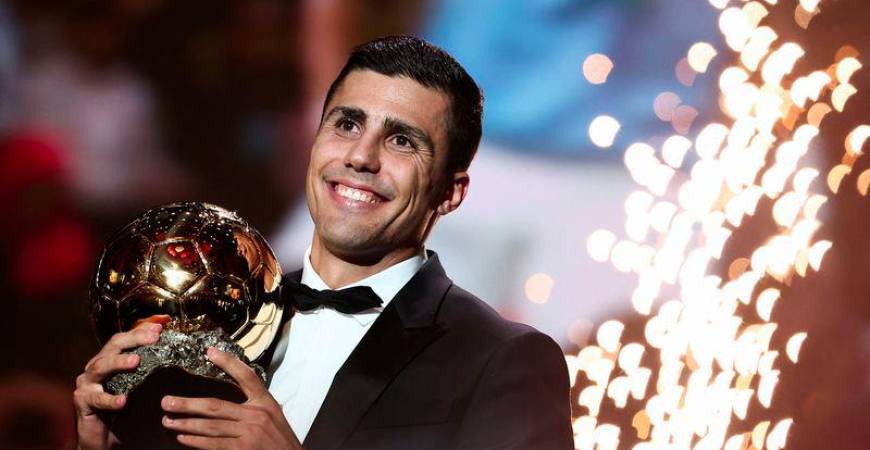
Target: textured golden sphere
[(199, 266)]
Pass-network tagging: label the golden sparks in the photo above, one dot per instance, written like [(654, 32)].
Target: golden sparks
[(712, 339)]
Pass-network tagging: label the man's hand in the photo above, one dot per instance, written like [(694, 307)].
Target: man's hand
[(216, 424), (89, 398)]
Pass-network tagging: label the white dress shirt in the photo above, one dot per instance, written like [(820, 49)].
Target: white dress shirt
[(314, 344)]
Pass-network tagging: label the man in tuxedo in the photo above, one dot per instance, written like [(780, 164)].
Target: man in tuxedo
[(397, 357)]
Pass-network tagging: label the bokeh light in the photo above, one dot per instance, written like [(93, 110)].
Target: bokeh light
[(596, 68)]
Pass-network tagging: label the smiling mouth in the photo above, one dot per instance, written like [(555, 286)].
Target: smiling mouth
[(354, 194)]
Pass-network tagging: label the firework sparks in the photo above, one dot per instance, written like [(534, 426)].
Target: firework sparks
[(712, 342)]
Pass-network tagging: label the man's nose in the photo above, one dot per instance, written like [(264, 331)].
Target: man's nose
[(364, 155)]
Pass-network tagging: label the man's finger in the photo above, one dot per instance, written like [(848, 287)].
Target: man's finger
[(101, 367), (92, 401), (250, 383), (206, 443), (144, 334), (204, 427), (202, 407)]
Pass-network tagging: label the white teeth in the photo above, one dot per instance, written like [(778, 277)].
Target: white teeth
[(354, 194)]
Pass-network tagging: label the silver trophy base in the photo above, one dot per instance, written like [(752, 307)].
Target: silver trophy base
[(176, 365), (182, 350)]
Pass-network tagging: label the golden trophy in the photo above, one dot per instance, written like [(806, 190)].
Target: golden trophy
[(212, 281)]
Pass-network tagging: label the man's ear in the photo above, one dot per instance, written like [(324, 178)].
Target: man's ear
[(457, 189)]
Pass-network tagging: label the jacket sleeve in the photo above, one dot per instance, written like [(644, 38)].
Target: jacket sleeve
[(521, 400)]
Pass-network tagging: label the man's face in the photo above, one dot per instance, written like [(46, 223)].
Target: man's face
[(377, 169)]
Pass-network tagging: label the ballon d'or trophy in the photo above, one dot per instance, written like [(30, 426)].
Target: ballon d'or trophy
[(212, 281)]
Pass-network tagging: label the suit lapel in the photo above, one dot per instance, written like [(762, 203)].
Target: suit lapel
[(405, 327)]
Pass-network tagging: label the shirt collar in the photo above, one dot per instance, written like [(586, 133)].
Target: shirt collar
[(386, 283)]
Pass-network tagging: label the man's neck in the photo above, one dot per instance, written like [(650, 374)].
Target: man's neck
[(337, 272)]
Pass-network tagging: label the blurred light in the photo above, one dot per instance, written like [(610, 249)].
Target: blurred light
[(740, 100), (764, 303), (599, 243), (609, 334), (661, 215), (754, 13), (802, 180), (845, 52), (683, 117), (590, 398), (732, 77), (864, 182), (643, 258), (777, 437), (766, 385), (642, 424), (845, 68), (602, 131), (757, 47), (710, 140), (699, 56), (623, 255), (841, 94), (816, 113), (629, 357), (579, 331), (638, 203), (606, 437), (856, 138), (739, 442), (538, 288), (711, 359), (617, 390), (809, 87), (803, 17), (736, 27), (584, 427), (640, 159), (786, 208), (596, 68), (835, 176), (793, 346), (665, 104), (802, 232), (684, 72), (780, 62), (674, 149), (758, 434), (817, 253), (809, 5), (811, 206)]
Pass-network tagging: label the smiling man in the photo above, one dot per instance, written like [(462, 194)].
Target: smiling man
[(410, 360)]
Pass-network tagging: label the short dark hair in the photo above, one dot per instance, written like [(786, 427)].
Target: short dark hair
[(432, 67)]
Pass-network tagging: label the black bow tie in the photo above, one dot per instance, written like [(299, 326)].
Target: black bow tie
[(349, 300)]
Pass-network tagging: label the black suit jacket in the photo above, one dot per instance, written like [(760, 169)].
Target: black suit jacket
[(439, 369)]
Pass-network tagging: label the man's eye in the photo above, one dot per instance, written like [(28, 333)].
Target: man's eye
[(403, 141), (346, 125)]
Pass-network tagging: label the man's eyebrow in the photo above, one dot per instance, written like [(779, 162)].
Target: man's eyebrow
[(349, 112), (396, 126)]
